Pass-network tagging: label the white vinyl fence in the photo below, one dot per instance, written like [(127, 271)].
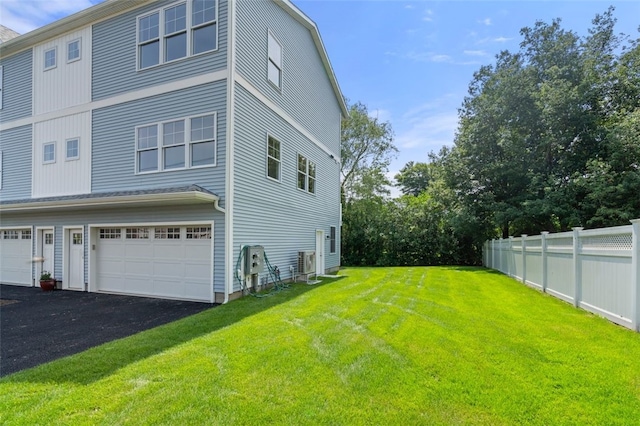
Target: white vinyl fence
[(597, 270)]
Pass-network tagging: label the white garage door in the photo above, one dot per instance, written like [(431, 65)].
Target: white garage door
[(166, 261), (15, 257)]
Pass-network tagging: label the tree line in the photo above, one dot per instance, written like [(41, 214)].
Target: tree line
[(548, 138)]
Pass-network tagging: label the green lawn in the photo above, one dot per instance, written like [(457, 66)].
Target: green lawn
[(379, 346)]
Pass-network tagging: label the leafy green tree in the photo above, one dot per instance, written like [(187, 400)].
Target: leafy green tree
[(366, 150), (413, 178)]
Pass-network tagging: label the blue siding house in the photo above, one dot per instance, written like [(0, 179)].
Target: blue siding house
[(144, 144)]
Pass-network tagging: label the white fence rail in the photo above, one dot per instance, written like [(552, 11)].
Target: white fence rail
[(597, 270)]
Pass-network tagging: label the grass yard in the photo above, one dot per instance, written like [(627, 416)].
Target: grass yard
[(380, 346)]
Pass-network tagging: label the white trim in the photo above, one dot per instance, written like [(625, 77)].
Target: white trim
[(79, 40), (279, 111), (92, 230), (278, 65), (121, 98), (1, 84)]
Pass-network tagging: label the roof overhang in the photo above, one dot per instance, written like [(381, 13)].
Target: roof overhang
[(97, 201)]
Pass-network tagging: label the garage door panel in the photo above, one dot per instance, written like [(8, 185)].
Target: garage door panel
[(156, 266), (16, 265)]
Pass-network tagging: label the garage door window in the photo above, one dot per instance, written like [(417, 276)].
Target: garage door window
[(167, 233), (199, 233), (109, 233), (26, 234), (137, 233), (10, 235)]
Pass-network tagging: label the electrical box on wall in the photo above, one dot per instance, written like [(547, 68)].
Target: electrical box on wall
[(254, 260)]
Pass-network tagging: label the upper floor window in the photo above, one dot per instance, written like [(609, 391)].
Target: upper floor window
[(177, 31), (306, 174), (73, 50), (49, 152), (177, 144), (49, 59), (273, 158), (274, 63), (73, 149)]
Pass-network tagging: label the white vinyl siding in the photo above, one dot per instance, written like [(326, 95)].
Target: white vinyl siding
[(74, 50), (177, 31), (177, 144), (1, 85), (50, 59), (273, 158), (274, 62), (306, 174)]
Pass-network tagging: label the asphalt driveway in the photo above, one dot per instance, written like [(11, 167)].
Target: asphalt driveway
[(37, 327)]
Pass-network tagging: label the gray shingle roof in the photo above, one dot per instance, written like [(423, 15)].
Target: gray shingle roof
[(7, 34)]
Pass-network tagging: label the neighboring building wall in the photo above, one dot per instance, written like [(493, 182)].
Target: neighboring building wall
[(15, 145), (278, 215), (114, 140), (16, 86), (67, 175), (69, 82), (115, 55), (306, 93)]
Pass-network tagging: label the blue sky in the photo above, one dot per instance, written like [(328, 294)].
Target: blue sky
[(410, 62)]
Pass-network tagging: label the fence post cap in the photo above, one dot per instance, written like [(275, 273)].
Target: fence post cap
[(577, 228), (634, 221), (524, 235), (544, 233)]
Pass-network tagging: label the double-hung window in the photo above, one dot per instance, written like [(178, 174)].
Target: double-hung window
[(204, 26), (73, 149), (273, 158), (73, 50), (203, 140), (177, 31), (49, 153), (332, 239), (274, 62), (49, 59), (173, 144), (177, 144), (306, 174)]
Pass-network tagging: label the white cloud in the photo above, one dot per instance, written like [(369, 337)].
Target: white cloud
[(501, 39), (485, 21), (408, 6), (429, 126), (23, 16), (428, 57), (475, 53), (381, 114), (428, 15)]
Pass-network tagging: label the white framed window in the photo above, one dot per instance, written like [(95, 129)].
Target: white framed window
[(185, 143), (49, 152), (147, 148), (306, 174), (204, 26), (72, 149), (203, 140), (1, 85), (273, 158), (110, 233), (137, 234), (49, 59), (177, 31), (73, 50), (149, 40), (274, 61), (173, 152), (199, 233), (167, 233)]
